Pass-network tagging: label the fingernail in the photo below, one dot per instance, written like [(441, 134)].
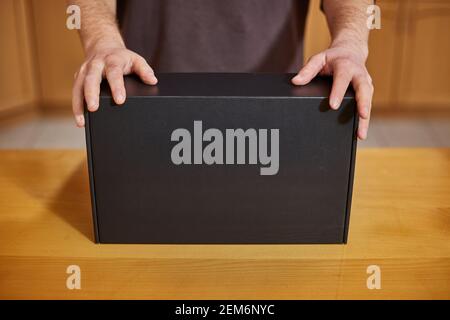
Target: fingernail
[(151, 79), (120, 98), (297, 78), (334, 103), (363, 135), (80, 121), (92, 106)]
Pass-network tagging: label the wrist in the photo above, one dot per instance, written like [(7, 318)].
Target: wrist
[(103, 43), (353, 43)]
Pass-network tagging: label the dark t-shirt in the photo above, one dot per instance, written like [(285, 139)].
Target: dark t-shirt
[(215, 35)]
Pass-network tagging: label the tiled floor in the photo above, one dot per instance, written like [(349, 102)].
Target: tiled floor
[(42, 132), (408, 131), (59, 132)]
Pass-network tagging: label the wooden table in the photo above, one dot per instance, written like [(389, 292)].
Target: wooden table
[(400, 222)]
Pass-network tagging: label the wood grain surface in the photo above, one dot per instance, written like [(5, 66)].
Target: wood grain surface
[(400, 222)]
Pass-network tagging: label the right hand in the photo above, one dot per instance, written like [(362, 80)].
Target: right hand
[(111, 62)]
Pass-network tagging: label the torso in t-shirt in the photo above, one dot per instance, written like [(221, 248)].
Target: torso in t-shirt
[(215, 35)]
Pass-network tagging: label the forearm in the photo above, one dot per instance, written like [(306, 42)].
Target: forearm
[(98, 24), (347, 21), (106, 57), (346, 58)]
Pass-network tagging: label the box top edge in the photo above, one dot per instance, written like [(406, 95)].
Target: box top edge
[(225, 85)]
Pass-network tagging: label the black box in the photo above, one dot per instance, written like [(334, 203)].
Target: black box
[(144, 190)]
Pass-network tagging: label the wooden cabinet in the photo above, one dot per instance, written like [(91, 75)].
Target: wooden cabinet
[(409, 56), (38, 55), (384, 54), (425, 64), (59, 52), (317, 37), (18, 83)]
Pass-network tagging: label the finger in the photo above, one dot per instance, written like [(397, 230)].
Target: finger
[(341, 81), (78, 99), (310, 70), (363, 128), (364, 92), (143, 70), (92, 82), (114, 74)]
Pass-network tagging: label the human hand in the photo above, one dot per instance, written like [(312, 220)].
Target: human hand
[(112, 61), (344, 60)]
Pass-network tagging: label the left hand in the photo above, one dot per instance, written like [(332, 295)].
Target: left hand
[(346, 62)]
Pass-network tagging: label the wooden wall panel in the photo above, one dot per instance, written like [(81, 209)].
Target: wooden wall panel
[(382, 45), (425, 65), (59, 52), (317, 36), (385, 49), (19, 87), (408, 57)]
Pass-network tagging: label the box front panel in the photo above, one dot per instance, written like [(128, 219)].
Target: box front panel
[(144, 194)]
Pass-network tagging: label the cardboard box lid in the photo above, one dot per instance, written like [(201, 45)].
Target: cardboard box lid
[(225, 85)]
